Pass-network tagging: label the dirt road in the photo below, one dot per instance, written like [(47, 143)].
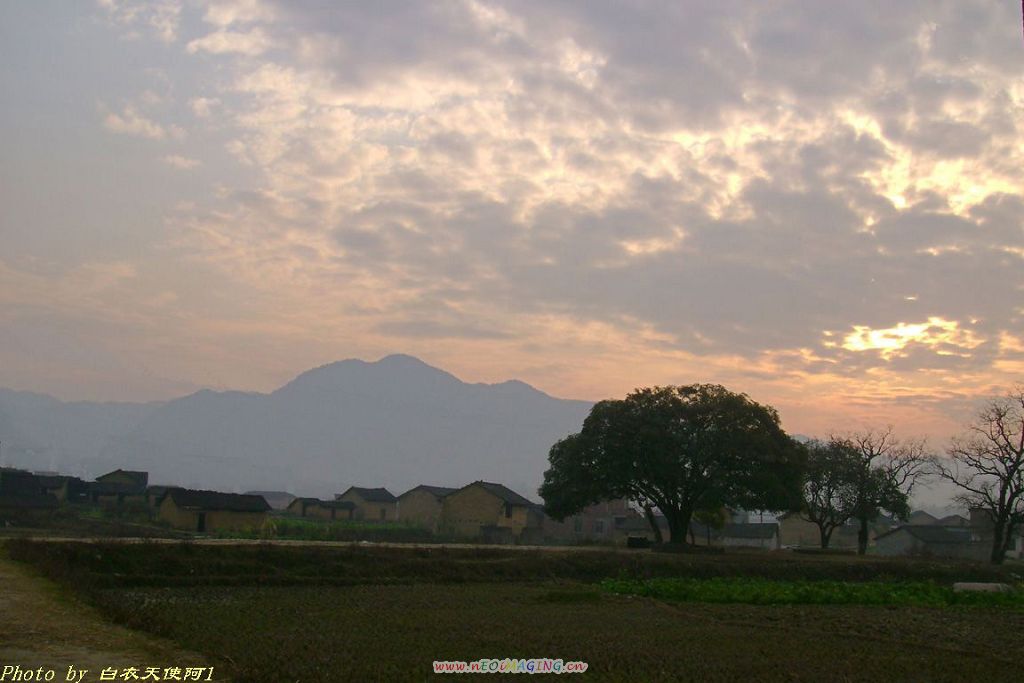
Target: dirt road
[(43, 626)]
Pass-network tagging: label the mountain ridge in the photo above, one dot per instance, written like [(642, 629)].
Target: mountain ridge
[(394, 422)]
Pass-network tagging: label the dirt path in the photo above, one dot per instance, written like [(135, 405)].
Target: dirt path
[(43, 626)]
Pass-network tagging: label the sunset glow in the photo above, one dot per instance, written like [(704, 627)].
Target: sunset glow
[(821, 208)]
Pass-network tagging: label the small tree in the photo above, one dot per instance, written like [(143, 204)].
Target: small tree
[(830, 485), (711, 518), (677, 449), (887, 471), (987, 464)]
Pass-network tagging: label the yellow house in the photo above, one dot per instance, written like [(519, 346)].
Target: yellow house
[(212, 510), (322, 509), (422, 505), (492, 512), (118, 487), (372, 505)]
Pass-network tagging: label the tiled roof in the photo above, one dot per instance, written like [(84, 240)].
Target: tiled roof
[(933, 534), (20, 483), (436, 491), (141, 479), (503, 492), (189, 499), (379, 495)]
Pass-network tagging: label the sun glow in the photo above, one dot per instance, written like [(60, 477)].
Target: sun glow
[(943, 336)]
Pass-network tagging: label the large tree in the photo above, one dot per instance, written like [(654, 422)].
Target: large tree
[(987, 464), (830, 485), (677, 449), (887, 470)]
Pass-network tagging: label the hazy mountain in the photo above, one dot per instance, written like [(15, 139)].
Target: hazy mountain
[(396, 423)]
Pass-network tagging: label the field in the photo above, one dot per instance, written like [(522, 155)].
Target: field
[(285, 613)]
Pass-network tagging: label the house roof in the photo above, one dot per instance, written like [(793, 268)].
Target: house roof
[(189, 499), (20, 483), (378, 495), (501, 491), (922, 517), (954, 520), (932, 534), (757, 530), (436, 491), (139, 478)]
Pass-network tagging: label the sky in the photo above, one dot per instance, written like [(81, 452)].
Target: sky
[(817, 204)]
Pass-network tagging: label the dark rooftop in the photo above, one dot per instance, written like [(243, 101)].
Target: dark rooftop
[(436, 491), (20, 483), (933, 534), (503, 492), (189, 499), (380, 495)]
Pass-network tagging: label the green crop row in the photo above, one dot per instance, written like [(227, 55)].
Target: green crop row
[(753, 591)]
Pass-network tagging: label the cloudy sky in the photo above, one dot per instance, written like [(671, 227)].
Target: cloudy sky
[(817, 203)]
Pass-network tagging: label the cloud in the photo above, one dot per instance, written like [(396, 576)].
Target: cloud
[(250, 43), (181, 162), (740, 178), (203, 106), (131, 122), (160, 17), (778, 192)]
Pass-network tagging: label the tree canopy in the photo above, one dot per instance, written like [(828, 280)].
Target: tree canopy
[(679, 449), (830, 485)]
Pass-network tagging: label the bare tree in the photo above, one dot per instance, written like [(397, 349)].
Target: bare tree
[(888, 470), (987, 464)]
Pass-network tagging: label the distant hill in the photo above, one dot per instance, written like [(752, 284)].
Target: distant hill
[(397, 422)]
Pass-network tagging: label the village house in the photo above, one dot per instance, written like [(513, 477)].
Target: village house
[(118, 487), (637, 529), (422, 505), (205, 511), (23, 496), (958, 521), (762, 535), (929, 540), (277, 500), (922, 518), (797, 532), (155, 494), (596, 523), (322, 509), (372, 505), (65, 489), (983, 531), (489, 511)]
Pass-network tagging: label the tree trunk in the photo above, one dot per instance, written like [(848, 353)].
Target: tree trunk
[(826, 536), (678, 525), (862, 537), (653, 521), (999, 542)]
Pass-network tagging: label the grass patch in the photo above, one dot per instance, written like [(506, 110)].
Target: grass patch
[(752, 591)]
